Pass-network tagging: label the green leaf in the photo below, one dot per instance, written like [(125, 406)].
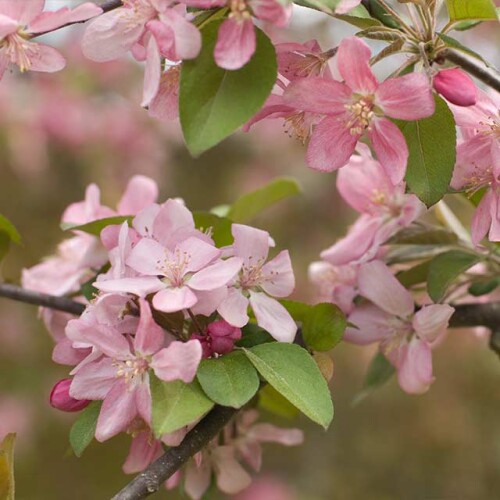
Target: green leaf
[(293, 373), (432, 146), (251, 204), (379, 372), (271, 400), (484, 287), (415, 275), (323, 327), (214, 102), (218, 227), (445, 268), (176, 404), (471, 9), (83, 430), (7, 227), (95, 227), (7, 482), (298, 310), (253, 335), (378, 11), (455, 44), (422, 235), (230, 380)]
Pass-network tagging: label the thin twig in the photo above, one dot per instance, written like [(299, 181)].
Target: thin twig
[(489, 76), (64, 304)]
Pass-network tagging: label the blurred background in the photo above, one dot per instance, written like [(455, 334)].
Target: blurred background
[(59, 133)]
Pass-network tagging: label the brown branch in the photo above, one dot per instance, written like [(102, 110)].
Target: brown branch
[(489, 76), (64, 304)]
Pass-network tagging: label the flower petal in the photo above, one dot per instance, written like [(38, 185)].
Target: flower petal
[(431, 321), (415, 367), (279, 280), (178, 361), (174, 299), (236, 43), (216, 275), (149, 337), (234, 308), (373, 325)]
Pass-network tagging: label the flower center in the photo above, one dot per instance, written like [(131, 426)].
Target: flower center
[(19, 49), (480, 178), (251, 275), (296, 126), (131, 370), (360, 115), (239, 10), (173, 268), (399, 332)]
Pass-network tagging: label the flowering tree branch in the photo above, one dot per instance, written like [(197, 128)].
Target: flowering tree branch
[(150, 480)]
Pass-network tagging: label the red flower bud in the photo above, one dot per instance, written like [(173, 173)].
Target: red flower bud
[(456, 86), (60, 398)]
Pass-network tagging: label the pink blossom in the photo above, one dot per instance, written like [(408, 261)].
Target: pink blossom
[(151, 30), (257, 283), (121, 376), (345, 6), (358, 106), (20, 20), (60, 398), (236, 41), (456, 86), (384, 208), (165, 105), (406, 337), (478, 161)]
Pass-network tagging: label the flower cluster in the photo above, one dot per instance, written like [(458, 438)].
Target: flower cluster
[(165, 297)]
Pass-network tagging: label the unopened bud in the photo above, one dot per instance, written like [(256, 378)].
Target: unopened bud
[(223, 336), (60, 398), (456, 86)]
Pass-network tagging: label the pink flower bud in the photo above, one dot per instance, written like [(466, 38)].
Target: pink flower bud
[(206, 345), (223, 336), (456, 86), (60, 398)]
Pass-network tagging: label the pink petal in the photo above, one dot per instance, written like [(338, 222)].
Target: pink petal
[(353, 62), (415, 367), (152, 73), (108, 340), (378, 284), (231, 476), (235, 44), (274, 11), (174, 299), (112, 35), (216, 275), (198, 479), (143, 450), (185, 38), (22, 11), (373, 325), (250, 243), (143, 401), (94, 380), (273, 317), (149, 337), (268, 433), (200, 253), (141, 191), (279, 280), (44, 58), (117, 412), (138, 286), (481, 221), (173, 223), (234, 308), (318, 95), (209, 301), (408, 97), (346, 5), (7, 26), (390, 146), (48, 21), (148, 257), (331, 145), (178, 361), (431, 321), (144, 220)]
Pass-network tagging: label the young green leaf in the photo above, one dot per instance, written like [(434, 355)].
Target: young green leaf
[(379, 372), (95, 227), (253, 335), (445, 268), (214, 102), (293, 373), (83, 430), (251, 204), (484, 287), (8, 233), (272, 401), (230, 380), (415, 275), (460, 10), (323, 326), (432, 146), (7, 482), (176, 404)]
